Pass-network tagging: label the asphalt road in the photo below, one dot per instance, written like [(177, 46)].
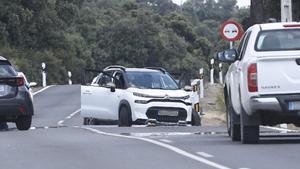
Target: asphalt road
[(57, 140)]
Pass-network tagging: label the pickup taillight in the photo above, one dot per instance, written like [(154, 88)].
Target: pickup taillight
[(252, 78)]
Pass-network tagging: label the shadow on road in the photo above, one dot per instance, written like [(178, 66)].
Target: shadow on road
[(280, 139)]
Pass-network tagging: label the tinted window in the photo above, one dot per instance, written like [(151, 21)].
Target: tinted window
[(151, 80), (278, 40), (7, 70)]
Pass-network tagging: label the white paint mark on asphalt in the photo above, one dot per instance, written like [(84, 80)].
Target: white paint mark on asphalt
[(32, 128), (244, 168), (61, 122), (280, 129), (166, 140), (164, 145), (43, 89), (46, 127), (161, 134), (204, 154)]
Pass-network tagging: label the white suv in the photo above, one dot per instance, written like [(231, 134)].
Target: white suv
[(263, 82), (134, 96)]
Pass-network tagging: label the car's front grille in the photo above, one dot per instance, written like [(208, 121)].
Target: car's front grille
[(153, 113), (169, 100)]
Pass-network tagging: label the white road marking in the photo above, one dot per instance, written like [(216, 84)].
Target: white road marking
[(160, 134), (32, 128), (204, 154), (166, 140), (43, 89), (164, 145), (61, 122), (280, 129), (244, 168)]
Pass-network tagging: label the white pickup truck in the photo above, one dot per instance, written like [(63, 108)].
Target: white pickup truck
[(262, 84)]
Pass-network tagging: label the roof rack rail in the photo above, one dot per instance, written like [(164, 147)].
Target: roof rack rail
[(116, 67), (157, 68)]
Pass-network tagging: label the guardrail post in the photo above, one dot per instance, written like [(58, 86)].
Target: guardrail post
[(69, 76), (220, 73), (44, 75), (212, 61), (201, 83)]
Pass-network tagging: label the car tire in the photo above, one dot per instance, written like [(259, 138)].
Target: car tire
[(23, 122), (90, 121), (233, 125), (124, 117), (250, 134), (196, 119)]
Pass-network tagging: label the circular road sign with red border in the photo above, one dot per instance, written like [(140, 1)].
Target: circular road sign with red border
[(231, 31)]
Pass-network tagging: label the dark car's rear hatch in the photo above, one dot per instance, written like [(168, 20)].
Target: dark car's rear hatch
[(9, 81)]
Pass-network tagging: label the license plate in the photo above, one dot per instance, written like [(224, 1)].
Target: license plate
[(294, 105), (167, 113)]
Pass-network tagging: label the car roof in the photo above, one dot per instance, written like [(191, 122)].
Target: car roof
[(280, 25), (4, 60), (141, 70)]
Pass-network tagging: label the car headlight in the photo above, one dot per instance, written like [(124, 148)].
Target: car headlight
[(140, 94)]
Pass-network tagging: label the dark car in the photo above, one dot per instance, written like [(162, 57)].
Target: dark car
[(15, 98)]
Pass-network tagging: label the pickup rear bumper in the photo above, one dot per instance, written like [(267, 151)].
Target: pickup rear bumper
[(276, 103)]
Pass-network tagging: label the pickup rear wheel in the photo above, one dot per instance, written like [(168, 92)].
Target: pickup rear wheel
[(233, 125), (249, 132), (124, 117)]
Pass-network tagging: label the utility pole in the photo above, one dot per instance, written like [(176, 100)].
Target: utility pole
[(286, 11)]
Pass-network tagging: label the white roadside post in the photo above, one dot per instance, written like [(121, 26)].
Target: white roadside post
[(212, 61), (286, 11), (220, 73), (69, 76), (201, 83), (44, 75)]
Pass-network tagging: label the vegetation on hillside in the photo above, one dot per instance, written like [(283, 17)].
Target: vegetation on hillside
[(73, 34)]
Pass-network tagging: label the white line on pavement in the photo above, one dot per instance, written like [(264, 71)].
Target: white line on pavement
[(244, 168), (166, 140), (61, 122), (204, 154), (164, 145), (37, 92), (280, 129)]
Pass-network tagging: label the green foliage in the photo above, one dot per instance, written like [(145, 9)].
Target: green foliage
[(72, 34)]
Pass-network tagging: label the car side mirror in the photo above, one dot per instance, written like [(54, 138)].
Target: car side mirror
[(227, 56), (187, 88), (112, 86), (32, 84)]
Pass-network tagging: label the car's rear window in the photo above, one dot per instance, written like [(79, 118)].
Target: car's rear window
[(6, 70), (278, 40)]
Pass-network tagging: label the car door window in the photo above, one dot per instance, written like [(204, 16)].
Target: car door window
[(119, 80), (104, 79)]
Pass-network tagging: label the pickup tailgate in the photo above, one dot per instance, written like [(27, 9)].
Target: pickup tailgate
[(278, 75)]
